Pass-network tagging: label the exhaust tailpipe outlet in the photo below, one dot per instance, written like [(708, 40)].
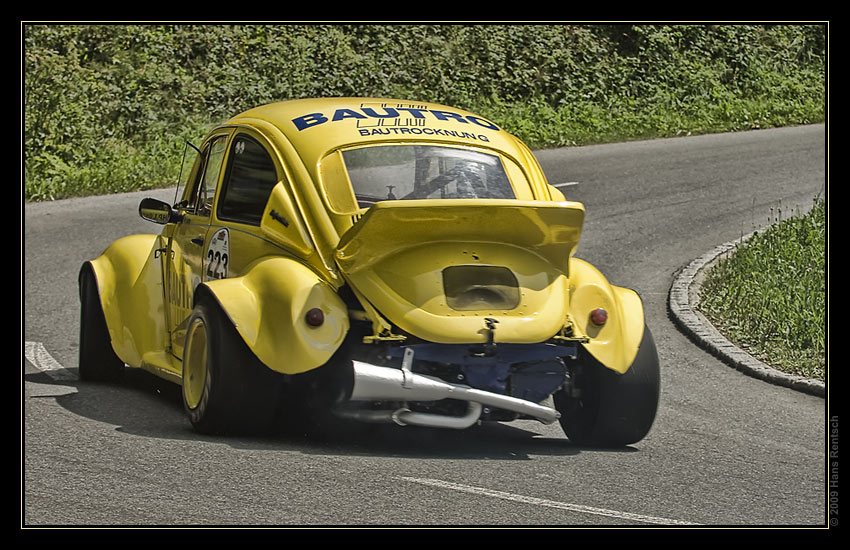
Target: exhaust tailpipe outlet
[(406, 417)]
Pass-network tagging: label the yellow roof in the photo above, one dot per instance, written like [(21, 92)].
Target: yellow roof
[(317, 126)]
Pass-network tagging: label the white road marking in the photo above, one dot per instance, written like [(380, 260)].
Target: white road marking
[(566, 184), (547, 503), (43, 361)]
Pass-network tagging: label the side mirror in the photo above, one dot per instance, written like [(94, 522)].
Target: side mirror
[(157, 211)]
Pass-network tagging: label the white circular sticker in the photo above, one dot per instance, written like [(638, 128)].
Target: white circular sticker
[(218, 255)]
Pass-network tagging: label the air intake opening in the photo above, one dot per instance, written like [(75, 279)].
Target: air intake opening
[(480, 287)]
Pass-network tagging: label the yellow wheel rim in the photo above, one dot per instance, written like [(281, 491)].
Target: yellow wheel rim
[(195, 363)]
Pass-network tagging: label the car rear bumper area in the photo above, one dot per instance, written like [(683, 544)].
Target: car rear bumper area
[(385, 384)]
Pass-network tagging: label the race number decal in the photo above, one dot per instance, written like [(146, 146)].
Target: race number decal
[(218, 255)]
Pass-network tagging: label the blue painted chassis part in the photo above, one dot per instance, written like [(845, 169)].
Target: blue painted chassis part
[(527, 371)]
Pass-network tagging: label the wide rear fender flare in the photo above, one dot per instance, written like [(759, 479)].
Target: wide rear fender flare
[(268, 306), (129, 281), (616, 343)]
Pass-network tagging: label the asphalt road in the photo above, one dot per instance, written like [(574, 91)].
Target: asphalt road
[(726, 449)]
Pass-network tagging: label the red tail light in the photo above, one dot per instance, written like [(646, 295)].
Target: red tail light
[(598, 316), (315, 317)]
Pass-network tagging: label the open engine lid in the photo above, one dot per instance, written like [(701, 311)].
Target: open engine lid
[(436, 268), (550, 230)]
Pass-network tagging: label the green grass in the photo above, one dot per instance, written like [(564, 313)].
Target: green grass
[(769, 295)]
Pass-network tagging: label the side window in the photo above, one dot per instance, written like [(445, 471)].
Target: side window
[(211, 173), (249, 180), (192, 164), (199, 192)]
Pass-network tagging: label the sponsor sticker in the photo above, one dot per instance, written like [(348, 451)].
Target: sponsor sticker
[(218, 255), (400, 120)]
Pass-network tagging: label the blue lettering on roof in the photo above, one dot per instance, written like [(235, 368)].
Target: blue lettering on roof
[(315, 119)]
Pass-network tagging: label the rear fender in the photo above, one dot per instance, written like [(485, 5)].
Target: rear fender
[(615, 344), (129, 281), (268, 305)]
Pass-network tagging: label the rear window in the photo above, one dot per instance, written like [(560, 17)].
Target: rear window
[(411, 172)]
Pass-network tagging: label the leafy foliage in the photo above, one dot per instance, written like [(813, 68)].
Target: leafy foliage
[(107, 107)]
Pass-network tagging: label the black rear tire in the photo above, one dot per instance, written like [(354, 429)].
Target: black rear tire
[(612, 410), (226, 389), (97, 361)]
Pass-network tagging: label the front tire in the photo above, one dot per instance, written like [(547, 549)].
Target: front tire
[(612, 410), (226, 389), (97, 359)]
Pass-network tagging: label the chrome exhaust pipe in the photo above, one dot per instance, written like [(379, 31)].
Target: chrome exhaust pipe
[(406, 417), (374, 383)]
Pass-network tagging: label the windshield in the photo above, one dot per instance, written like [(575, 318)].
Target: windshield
[(406, 172)]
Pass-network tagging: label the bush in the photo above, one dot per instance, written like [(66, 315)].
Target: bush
[(108, 106)]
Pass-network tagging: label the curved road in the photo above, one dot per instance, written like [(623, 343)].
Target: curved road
[(726, 449)]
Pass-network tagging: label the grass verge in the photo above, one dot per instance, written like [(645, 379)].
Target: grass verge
[(769, 295)]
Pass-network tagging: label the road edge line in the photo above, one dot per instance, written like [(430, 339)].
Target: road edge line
[(513, 497)]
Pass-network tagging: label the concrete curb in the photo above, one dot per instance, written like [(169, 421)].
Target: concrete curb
[(681, 306)]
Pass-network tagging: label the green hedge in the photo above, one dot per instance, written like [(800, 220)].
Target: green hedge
[(108, 106)]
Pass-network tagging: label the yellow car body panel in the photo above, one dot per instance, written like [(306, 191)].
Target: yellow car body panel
[(268, 306), (615, 344), (131, 294), (397, 255)]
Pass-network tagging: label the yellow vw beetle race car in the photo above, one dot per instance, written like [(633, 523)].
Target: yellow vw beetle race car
[(386, 260)]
